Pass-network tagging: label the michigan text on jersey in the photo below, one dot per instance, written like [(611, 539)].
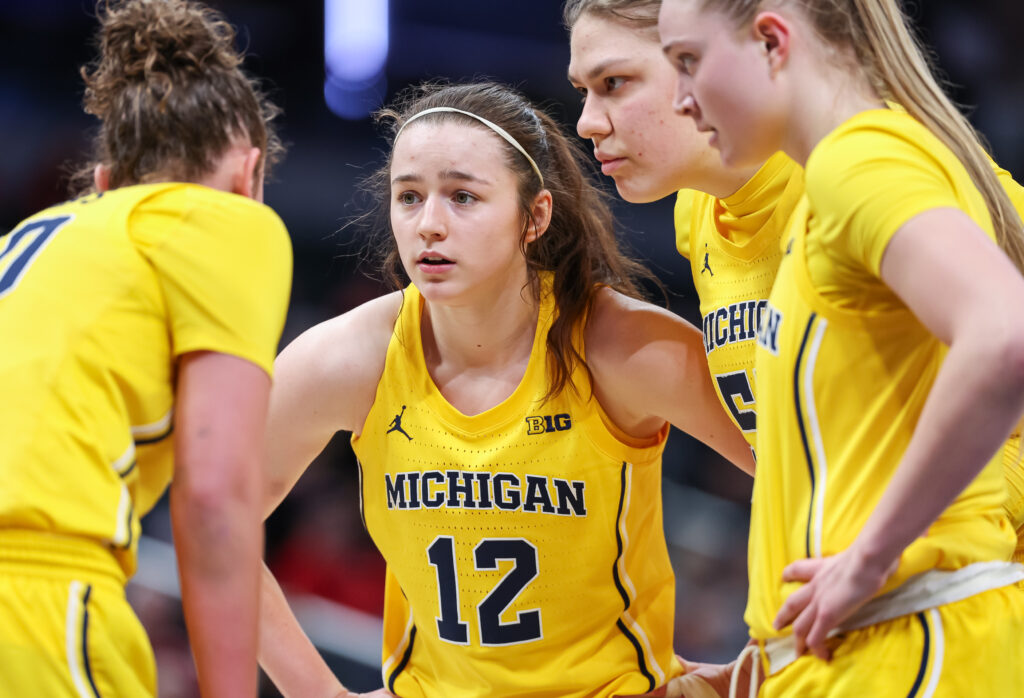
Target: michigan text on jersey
[(458, 489), (736, 322)]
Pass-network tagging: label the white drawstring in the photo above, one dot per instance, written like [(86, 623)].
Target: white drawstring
[(755, 671)]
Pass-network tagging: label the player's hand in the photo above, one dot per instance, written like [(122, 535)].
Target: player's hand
[(701, 681), (835, 587)]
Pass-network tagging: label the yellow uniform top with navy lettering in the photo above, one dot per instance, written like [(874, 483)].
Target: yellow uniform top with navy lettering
[(525, 548), (847, 367), (733, 248), (98, 296)]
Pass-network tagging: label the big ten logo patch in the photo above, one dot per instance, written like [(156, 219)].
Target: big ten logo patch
[(545, 424)]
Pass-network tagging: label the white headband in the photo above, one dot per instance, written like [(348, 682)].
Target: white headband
[(489, 124)]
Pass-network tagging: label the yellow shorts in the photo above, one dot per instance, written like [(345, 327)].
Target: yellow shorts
[(1013, 469), (69, 633), (974, 647)]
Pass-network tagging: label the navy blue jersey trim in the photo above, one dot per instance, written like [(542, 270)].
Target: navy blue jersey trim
[(622, 590), (924, 657), (618, 540), (803, 431), (405, 660), (639, 654), (131, 516), (85, 643), (362, 510)]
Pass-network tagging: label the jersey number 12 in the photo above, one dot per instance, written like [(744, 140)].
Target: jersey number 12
[(486, 554)]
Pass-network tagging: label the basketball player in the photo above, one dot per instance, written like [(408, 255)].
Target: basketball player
[(509, 411), (728, 220), (136, 347), (894, 371)]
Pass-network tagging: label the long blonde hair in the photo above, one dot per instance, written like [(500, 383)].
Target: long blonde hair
[(876, 32)]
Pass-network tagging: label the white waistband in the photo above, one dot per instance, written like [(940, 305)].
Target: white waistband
[(919, 593)]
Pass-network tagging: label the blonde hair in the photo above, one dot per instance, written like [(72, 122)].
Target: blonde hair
[(643, 14), (877, 34)]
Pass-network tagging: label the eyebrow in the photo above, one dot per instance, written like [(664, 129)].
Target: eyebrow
[(599, 68), (458, 175), (675, 44)]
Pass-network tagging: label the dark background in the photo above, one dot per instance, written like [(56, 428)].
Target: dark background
[(315, 542)]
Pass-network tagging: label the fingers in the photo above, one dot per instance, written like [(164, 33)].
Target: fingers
[(802, 570), (793, 606), (817, 634)]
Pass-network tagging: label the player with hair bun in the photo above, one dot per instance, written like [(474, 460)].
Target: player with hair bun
[(140, 323)]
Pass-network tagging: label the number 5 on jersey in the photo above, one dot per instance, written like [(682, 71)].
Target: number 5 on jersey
[(738, 396), (451, 627)]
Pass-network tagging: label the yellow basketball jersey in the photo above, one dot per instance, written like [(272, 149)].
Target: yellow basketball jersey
[(98, 296), (525, 546), (733, 248), (847, 367), (1013, 457)]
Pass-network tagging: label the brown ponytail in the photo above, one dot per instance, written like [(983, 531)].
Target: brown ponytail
[(170, 94)]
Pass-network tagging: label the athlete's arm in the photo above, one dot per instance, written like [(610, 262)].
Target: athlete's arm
[(649, 367), (325, 382), (215, 513), (304, 673), (964, 290)]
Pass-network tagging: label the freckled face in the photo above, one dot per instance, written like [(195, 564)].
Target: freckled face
[(626, 84), (723, 81), (455, 212)]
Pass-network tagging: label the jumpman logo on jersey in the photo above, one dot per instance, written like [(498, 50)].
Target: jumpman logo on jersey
[(707, 267), (396, 424)]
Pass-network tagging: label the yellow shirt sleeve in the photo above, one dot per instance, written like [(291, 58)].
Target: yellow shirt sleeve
[(866, 180), (1014, 190), (224, 263), (683, 216)]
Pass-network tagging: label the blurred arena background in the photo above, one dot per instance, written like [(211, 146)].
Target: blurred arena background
[(315, 542)]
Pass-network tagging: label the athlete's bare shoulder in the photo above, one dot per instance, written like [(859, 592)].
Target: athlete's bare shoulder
[(334, 367), (636, 351), (619, 326)]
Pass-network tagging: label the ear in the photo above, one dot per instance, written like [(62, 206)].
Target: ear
[(101, 178), (773, 30), (247, 179), (540, 216)]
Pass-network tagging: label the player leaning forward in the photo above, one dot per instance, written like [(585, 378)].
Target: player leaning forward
[(139, 325)]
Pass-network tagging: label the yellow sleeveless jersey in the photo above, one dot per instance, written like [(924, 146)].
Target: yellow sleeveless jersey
[(733, 248), (525, 547), (847, 367), (98, 296)]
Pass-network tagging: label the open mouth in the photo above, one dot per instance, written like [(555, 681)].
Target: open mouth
[(435, 261)]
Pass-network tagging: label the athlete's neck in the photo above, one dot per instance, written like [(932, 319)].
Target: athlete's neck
[(478, 352), (825, 100), (727, 181)]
